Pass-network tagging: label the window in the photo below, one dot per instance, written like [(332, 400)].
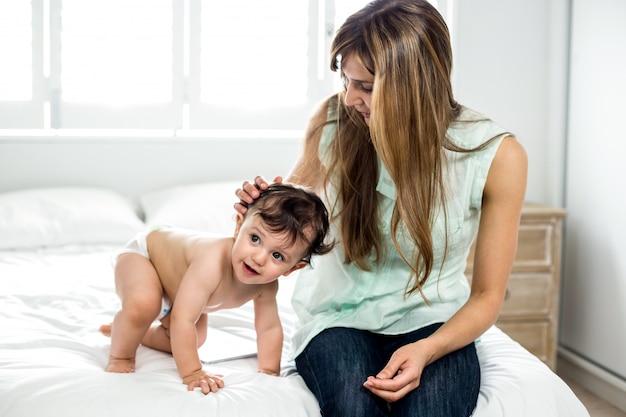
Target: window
[(253, 65), (172, 65), (15, 42)]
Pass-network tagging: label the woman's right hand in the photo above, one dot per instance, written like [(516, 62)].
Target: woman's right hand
[(250, 192)]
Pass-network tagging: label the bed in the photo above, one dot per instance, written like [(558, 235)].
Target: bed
[(56, 288)]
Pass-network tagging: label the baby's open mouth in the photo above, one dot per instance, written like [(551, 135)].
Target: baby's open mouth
[(248, 270)]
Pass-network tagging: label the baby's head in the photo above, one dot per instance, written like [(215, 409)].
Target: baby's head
[(295, 212)]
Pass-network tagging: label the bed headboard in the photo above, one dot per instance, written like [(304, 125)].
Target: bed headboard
[(133, 166)]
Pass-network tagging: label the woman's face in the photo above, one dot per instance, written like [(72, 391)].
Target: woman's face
[(359, 83)]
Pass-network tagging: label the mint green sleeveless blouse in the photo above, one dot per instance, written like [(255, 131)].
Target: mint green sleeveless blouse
[(333, 294)]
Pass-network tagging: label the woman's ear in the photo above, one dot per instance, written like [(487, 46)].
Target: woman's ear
[(238, 222)]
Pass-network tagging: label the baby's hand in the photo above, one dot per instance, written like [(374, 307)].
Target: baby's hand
[(206, 382)]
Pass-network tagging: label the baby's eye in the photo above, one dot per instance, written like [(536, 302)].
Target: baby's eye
[(277, 256), (255, 239)]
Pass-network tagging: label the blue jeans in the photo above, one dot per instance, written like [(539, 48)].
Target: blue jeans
[(337, 361)]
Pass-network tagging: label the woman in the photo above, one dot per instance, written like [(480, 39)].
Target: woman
[(387, 325)]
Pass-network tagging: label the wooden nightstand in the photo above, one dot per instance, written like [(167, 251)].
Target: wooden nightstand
[(530, 312)]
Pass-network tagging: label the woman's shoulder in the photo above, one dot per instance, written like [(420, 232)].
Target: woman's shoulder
[(471, 129)]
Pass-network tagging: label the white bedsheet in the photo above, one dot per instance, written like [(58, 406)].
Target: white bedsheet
[(52, 355)]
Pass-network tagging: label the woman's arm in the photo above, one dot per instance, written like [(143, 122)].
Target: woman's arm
[(496, 244), (307, 171)]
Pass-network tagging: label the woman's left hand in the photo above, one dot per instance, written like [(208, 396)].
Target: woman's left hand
[(401, 375)]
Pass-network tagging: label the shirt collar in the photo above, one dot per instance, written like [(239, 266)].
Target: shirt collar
[(385, 184)]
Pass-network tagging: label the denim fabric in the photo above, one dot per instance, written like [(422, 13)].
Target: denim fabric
[(336, 363)]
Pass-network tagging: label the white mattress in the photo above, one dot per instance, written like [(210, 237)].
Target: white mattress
[(52, 355)]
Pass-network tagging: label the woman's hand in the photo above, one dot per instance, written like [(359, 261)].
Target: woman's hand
[(402, 373), (206, 382), (250, 192)]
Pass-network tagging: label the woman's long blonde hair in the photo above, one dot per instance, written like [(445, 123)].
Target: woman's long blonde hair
[(405, 44)]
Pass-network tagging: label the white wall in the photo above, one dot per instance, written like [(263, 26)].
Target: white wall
[(511, 64), (134, 166), (594, 288)]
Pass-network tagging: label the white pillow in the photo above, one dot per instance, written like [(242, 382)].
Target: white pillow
[(43, 217), (207, 207)]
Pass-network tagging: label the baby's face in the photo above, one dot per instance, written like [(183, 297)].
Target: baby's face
[(260, 256)]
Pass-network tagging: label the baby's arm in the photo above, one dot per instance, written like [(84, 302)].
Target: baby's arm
[(269, 331), (187, 308)]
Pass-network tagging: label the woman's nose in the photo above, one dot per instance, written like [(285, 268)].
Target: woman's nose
[(352, 97)]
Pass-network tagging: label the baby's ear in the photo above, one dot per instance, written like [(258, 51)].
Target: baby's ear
[(299, 265), (238, 222)]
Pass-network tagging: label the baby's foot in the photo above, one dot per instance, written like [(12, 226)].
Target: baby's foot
[(121, 365), (105, 329)]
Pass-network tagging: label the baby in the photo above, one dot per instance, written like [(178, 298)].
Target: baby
[(178, 276)]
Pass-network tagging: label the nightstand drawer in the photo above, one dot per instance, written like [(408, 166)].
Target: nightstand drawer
[(534, 336), (538, 243), (534, 248), (528, 296)]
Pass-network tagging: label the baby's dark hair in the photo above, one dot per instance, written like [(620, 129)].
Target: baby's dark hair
[(297, 212)]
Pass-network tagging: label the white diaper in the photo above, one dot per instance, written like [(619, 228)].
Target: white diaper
[(166, 306), (138, 245)]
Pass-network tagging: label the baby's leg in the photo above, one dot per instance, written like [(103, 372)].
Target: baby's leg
[(158, 337), (120, 365), (140, 291)]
